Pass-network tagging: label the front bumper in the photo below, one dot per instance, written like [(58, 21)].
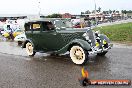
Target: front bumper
[(96, 50)]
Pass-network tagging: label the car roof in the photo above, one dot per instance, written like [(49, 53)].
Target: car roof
[(45, 20)]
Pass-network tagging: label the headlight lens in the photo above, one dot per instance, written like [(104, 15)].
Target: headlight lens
[(104, 42), (97, 44)]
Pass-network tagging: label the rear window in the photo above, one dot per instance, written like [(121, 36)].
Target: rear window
[(32, 26), (36, 26)]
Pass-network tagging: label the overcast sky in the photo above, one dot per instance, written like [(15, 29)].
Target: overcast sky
[(60, 6)]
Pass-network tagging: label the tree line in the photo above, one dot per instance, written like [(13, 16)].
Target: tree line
[(57, 15), (107, 11)]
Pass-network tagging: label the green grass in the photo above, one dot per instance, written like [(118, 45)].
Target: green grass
[(118, 32)]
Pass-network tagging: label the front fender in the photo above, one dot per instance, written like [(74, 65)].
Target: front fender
[(104, 37), (84, 44)]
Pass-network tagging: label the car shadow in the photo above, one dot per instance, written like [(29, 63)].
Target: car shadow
[(65, 59)]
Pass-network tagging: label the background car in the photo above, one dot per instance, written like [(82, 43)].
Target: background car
[(17, 32), (6, 33), (1, 31)]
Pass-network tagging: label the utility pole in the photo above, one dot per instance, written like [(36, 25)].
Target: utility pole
[(95, 12), (39, 9)]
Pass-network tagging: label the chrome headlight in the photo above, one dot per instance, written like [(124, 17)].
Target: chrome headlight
[(104, 42), (86, 36)]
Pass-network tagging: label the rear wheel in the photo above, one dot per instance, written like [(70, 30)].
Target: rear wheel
[(78, 55), (29, 49)]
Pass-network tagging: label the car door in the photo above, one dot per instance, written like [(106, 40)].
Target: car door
[(51, 39), (36, 35)]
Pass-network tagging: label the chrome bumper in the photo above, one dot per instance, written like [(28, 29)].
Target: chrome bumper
[(95, 51)]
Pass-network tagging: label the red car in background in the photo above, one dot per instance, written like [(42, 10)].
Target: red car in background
[(77, 25)]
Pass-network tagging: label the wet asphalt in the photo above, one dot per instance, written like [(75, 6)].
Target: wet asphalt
[(17, 70)]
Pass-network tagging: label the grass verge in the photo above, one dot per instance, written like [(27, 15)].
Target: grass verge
[(118, 32)]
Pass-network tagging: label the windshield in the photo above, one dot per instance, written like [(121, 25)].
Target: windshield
[(63, 23)]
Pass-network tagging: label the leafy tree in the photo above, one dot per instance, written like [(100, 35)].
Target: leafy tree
[(54, 16), (99, 9), (114, 11), (110, 11), (93, 11), (130, 11), (117, 11), (82, 12), (87, 12), (106, 12), (124, 11)]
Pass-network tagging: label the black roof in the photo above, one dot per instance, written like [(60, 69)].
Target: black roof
[(45, 20)]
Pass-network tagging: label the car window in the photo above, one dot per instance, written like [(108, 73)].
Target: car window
[(18, 30), (62, 24), (47, 26), (36, 26), (27, 26)]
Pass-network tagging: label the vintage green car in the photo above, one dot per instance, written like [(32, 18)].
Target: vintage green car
[(57, 36)]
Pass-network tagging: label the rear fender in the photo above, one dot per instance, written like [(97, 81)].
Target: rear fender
[(24, 44)]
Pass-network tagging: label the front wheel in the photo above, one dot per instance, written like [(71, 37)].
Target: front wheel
[(78, 55), (29, 49)]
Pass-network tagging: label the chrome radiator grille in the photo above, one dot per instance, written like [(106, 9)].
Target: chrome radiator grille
[(92, 37)]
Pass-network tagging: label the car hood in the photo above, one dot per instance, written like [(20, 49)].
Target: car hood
[(72, 30)]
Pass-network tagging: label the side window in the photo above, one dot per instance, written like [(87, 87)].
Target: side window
[(36, 26), (48, 26), (27, 27)]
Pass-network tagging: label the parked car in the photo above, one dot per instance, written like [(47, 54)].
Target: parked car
[(6, 33), (77, 25), (20, 38), (17, 32), (53, 36), (1, 31)]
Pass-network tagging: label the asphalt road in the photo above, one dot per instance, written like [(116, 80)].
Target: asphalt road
[(17, 70), (113, 23)]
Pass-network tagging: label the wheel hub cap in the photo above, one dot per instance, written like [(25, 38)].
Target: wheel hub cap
[(78, 54)]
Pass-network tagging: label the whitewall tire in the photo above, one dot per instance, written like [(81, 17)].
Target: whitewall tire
[(29, 49), (78, 55)]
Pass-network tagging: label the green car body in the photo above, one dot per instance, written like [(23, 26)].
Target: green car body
[(61, 38)]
